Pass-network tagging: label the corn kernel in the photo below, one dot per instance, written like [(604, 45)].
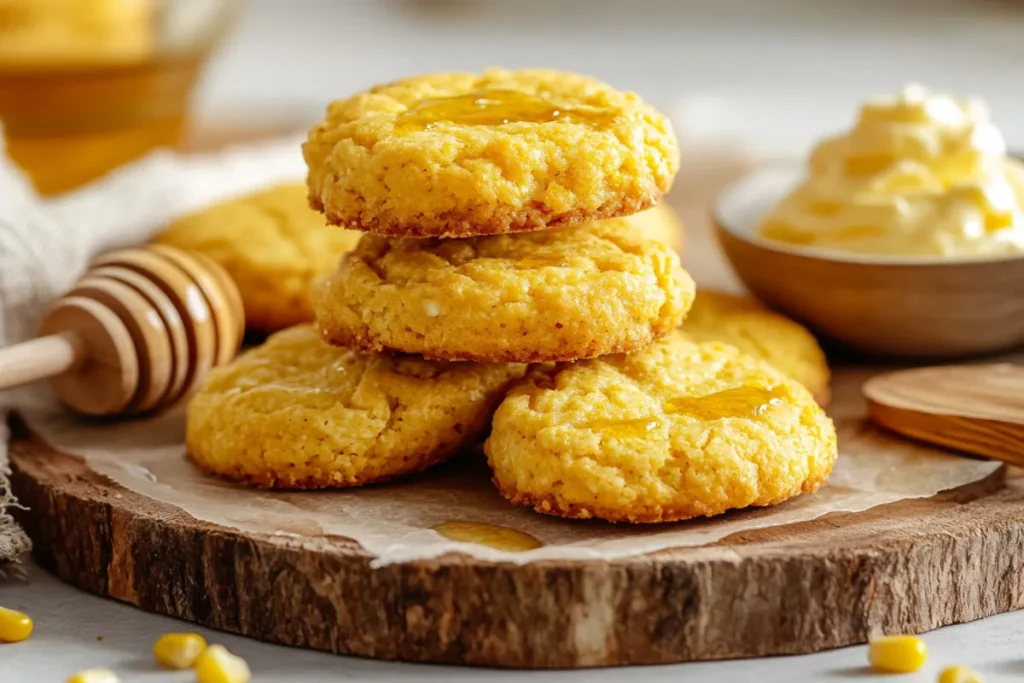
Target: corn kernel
[(178, 650), (897, 654), (94, 676), (217, 665), (960, 674), (14, 626)]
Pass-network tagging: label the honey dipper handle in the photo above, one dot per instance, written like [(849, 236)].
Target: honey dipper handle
[(39, 358)]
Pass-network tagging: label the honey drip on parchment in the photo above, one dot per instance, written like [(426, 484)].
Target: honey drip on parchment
[(490, 535), (497, 107), (741, 402)]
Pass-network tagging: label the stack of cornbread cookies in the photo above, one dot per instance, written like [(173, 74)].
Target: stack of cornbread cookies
[(502, 289)]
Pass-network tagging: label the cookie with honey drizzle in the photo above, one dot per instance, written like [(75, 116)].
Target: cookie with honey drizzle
[(549, 295), (295, 413), (457, 155), (676, 431)]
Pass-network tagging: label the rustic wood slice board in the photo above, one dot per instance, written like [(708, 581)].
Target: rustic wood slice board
[(908, 567)]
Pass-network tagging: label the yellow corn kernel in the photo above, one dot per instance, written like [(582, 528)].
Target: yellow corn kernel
[(178, 650), (217, 665), (14, 626), (94, 676), (960, 674), (897, 654)]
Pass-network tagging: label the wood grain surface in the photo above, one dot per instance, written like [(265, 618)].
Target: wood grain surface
[(976, 409)]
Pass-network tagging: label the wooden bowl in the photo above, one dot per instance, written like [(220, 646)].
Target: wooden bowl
[(905, 307)]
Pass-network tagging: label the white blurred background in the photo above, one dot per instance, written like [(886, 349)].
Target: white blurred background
[(773, 73)]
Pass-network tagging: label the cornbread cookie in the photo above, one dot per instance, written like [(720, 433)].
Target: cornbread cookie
[(550, 295), (457, 155), (662, 224), (273, 246), (757, 331), (678, 430), (296, 413)]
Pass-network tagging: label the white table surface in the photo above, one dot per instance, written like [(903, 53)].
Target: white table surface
[(68, 623), (775, 72)]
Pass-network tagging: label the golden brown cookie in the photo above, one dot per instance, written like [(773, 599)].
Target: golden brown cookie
[(662, 224), (296, 413), (273, 246), (676, 431), (550, 295), (458, 155), (749, 326)]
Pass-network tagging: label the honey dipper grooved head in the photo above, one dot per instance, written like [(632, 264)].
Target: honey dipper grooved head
[(147, 325)]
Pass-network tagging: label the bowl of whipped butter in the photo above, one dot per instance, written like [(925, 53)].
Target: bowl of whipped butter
[(902, 237)]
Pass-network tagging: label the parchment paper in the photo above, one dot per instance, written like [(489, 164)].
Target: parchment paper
[(394, 522)]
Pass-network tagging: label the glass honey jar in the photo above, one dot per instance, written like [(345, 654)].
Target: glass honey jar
[(87, 85)]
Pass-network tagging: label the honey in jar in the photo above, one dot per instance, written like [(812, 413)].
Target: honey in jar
[(87, 85)]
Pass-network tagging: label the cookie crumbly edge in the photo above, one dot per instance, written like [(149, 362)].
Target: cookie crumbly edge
[(550, 505), (561, 352), (502, 221)]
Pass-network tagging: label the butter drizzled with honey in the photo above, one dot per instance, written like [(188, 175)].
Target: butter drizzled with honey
[(920, 174), (738, 402), (490, 535), (497, 107)]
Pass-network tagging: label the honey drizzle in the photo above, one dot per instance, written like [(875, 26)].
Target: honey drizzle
[(497, 107), (739, 402), (490, 535)]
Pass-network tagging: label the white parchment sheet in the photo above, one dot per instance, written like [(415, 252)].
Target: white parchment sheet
[(394, 522)]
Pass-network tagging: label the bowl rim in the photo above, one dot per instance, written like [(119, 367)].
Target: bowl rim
[(796, 168)]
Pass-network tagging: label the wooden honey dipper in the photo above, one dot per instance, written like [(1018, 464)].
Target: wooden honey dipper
[(135, 334)]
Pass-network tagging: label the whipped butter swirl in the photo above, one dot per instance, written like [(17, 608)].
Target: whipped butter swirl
[(920, 174)]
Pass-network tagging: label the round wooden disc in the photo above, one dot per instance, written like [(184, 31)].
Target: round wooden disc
[(971, 408), (906, 567)]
